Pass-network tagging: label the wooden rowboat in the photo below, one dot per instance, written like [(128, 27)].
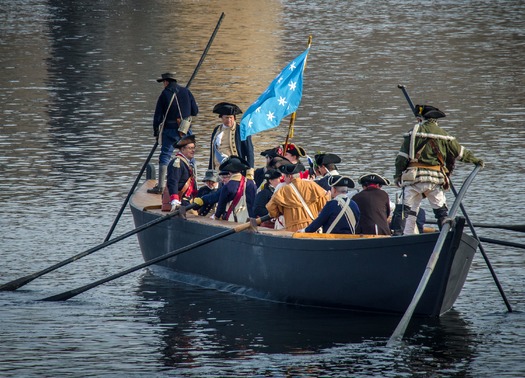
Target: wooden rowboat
[(354, 272)]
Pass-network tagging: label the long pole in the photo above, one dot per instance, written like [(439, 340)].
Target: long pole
[(397, 336), (72, 293), (482, 250), (156, 144)]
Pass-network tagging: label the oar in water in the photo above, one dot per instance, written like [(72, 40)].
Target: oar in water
[(482, 250), (502, 242), (397, 336), (132, 189), (511, 227), (15, 284), (72, 293)]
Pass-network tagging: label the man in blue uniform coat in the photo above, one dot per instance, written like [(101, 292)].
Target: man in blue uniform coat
[(341, 214)]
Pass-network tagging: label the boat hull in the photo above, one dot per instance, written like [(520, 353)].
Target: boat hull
[(372, 274)]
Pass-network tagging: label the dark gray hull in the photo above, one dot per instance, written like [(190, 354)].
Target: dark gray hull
[(375, 275)]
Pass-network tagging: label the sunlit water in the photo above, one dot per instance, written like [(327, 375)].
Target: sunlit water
[(77, 92)]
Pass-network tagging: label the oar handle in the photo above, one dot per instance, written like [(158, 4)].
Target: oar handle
[(409, 100)]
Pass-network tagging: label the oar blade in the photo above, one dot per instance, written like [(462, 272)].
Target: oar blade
[(19, 282)]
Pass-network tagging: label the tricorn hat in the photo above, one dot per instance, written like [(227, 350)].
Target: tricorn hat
[(373, 178), (210, 175), (234, 164), (326, 158), (337, 180), (184, 141), (295, 150), (427, 111), (226, 108), (291, 169), (271, 174), (170, 76), (224, 173), (270, 153)]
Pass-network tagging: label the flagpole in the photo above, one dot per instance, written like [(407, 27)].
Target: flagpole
[(292, 117)]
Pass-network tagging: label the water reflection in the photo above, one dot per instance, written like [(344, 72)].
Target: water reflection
[(198, 325)]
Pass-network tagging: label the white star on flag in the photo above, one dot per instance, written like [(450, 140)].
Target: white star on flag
[(270, 108)]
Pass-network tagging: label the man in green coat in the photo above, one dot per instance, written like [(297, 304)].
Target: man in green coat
[(424, 163)]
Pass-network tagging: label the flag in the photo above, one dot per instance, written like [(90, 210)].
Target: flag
[(281, 98)]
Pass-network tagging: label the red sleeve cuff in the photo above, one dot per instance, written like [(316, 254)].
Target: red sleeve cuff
[(174, 197)]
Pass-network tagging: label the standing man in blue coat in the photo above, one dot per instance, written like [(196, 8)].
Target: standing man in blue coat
[(175, 107), (226, 137)]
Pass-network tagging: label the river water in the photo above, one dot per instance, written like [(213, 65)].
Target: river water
[(77, 93)]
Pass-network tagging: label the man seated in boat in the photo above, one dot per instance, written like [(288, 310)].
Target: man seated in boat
[(238, 195), (374, 205), (258, 175), (181, 181), (341, 214), (208, 201), (272, 178), (300, 201), (211, 185), (293, 153), (324, 167)]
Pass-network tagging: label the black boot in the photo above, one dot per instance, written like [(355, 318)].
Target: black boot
[(399, 218), (441, 214)]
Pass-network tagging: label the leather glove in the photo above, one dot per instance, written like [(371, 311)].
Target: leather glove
[(198, 201), (480, 162), (398, 182), (175, 204)]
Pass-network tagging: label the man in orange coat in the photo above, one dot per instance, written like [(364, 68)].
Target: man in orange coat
[(300, 201)]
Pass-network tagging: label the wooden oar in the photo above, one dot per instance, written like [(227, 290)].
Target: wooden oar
[(511, 227), (502, 242), (132, 189), (72, 293), (397, 336), (482, 250), (19, 282)]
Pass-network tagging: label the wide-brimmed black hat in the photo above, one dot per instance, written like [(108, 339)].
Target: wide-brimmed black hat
[(326, 158), (271, 174), (234, 164), (184, 141), (427, 111), (271, 153), (373, 178), (295, 150), (210, 175), (226, 108), (291, 169), (170, 76), (338, 180)]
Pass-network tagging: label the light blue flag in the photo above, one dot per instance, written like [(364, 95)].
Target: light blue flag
[(281, 98)]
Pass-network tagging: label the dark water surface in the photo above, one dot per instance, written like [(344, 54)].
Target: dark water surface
[(77, 93)]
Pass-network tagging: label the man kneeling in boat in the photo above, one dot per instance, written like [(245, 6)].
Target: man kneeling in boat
[(341, 214), (237, 196), (300, 201)]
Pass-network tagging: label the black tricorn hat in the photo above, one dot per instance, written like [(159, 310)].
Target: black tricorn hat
[(234, 164), (373, 178), (184, 141), (226, 108), (337, 180), (326, 158), (291, 169), (427, 111), (271, 153), (170, 76), (271, 174), (295, 150)]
